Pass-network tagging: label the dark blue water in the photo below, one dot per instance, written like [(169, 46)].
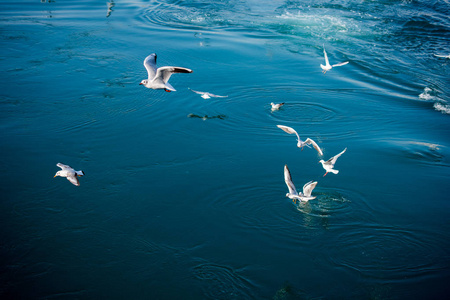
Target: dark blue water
[(175, 207)]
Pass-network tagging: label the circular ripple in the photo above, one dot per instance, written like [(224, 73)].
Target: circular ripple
[(223, 282), (387, 252)]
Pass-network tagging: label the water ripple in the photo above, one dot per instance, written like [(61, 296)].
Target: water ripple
[(223, 282)]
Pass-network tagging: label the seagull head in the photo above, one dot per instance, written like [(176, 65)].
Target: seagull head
[(321, 161), (144, 82), (57, 174)]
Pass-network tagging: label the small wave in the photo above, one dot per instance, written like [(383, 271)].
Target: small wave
[(427, 94), (443, 108), (430, 95)]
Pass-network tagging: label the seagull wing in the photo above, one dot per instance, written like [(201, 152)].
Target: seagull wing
[(165, 72), (308, 188), (197, 92), (217, 96), (63, 166), (289, 130), (310, 141), (333, 160), (340, 64), (288, 180), (327, 62), (73, 179), (150, 65)]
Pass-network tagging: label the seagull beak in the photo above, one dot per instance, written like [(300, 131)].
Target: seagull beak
[(140, 83), (54, 176)]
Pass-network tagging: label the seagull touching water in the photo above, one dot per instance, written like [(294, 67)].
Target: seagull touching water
[(158, 77), (329, 164), (327, 66), (69, 173), (301, 143), (293, 194)]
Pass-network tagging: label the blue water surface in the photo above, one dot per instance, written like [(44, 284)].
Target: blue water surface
[(178, 207)]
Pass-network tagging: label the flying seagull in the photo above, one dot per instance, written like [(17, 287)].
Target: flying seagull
[(443, 56), (69, 173), (276, 106), (158, 77), (327, 66), (329, 164), (293, 194), (301, 143), (206, 95)]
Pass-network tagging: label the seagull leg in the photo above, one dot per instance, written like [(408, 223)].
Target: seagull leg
[(167, 90), (325, 174)]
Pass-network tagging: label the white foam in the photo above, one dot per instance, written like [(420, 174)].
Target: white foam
[(426, 94), (443, 108)]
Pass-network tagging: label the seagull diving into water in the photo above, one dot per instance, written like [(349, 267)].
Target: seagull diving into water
[(293, 194), (329, 164), (327, 66), (276, 106), (206, 95), (70, 173), (301, 143), (158, 77)]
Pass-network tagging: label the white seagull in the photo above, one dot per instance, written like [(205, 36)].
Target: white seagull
[(276, 106), (327, 66), (443, 56), (293, 194), (70, 173), (301, 143), (329, 164), (158, 77), (206, 95)]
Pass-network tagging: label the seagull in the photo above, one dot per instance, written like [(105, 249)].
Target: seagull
[(301, 143), (443, 56), (329, 164), (293, 194), (70, 173), (206, 95), (327, 66), (158, 77), (276, 106)]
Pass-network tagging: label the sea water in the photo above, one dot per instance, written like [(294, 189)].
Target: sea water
[(180, 207)]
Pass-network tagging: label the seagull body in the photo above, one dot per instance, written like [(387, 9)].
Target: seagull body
[(69, 173), (327, 66), (276, 106), (301, 143), (293, 194), (206, 95), (443, 56), (158, 77), (329, 164)]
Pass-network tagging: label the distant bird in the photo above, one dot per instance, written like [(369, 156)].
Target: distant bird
[(327, 66), (276, 106), (301, 143), (70, 173), (443, 56), (158, 77), (206, 95), (329, 164), (293, 194)]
